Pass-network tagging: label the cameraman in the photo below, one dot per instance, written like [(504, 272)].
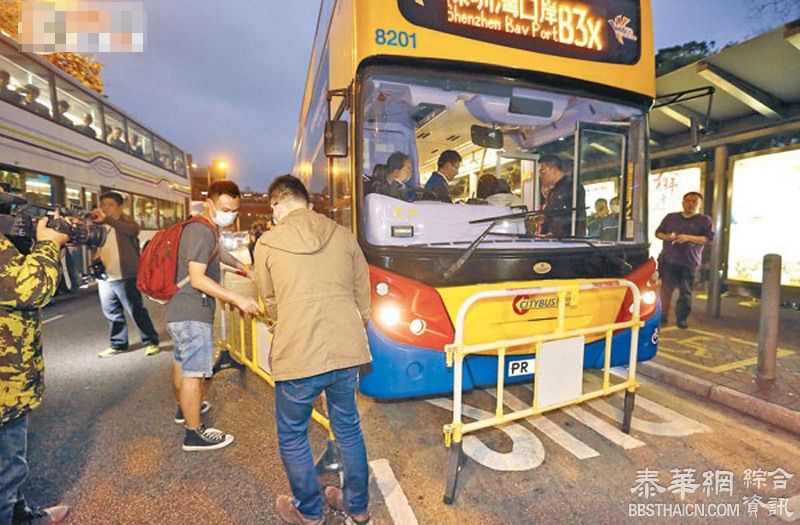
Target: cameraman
[(27, 283), (120, 256)]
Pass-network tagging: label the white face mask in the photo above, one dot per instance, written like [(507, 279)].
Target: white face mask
[(224, 218), (615, 209)]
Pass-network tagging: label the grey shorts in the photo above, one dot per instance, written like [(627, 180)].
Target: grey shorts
[(194, 347)]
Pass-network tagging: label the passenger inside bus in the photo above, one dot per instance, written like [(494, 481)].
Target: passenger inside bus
[(559, 210), (6, 93), (31, 94), (87, 128), (135, 146), (378, 181), (399, 177), (438, 186), (63, 107), (496, 192), (115, 138)]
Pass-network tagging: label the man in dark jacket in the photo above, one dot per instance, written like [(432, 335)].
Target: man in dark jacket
[(120, 256), (558, 208), (438, 185), (27, 283)]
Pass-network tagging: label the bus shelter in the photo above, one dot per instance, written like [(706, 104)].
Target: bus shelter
[(745, 158)]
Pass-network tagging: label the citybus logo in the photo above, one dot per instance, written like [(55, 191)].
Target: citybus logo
[(525, 303), (620, 26)]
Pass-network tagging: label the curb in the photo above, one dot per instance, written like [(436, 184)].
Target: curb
[(747, 404)]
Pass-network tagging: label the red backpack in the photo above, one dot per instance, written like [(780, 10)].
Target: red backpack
[(158, 265)]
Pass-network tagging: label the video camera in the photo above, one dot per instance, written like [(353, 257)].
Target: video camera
[(18, 218)]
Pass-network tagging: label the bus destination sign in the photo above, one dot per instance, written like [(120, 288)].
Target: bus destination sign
[(598, 30)]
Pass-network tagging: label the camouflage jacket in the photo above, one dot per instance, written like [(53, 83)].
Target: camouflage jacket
[(27, 283)]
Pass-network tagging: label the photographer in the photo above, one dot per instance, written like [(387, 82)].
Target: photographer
[(120, 255), (27, 283)]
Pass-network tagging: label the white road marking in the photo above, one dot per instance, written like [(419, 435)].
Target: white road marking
[(674, 424), (54, 318), (573, 445), (527, 452), (393, 494), (609, 432)]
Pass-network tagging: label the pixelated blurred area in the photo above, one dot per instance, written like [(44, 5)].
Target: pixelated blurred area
[(58, 26)]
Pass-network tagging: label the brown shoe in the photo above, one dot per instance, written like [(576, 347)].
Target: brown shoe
[(335, 498), (290, 514)]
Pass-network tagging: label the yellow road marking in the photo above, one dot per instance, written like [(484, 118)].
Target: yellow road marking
[(696, 346)]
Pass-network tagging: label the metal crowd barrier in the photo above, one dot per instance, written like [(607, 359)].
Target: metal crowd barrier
[(246, 339), (458, 350)]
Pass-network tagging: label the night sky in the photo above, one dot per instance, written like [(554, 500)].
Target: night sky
[(226, 82)]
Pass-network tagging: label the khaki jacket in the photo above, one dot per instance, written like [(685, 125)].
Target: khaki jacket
[(314, 281)]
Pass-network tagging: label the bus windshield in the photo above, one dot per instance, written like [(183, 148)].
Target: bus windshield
[(518, 148)]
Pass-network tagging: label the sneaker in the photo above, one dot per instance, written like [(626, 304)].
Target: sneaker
[(48, 516), (290, 514), (108, 352), (335, 498), (152, 350), (683, 323), (206, 439), (180, 420)]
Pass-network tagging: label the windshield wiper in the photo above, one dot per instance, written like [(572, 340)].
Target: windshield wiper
[(456, 266)]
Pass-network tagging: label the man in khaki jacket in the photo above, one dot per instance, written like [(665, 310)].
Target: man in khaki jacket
[(315, 285)]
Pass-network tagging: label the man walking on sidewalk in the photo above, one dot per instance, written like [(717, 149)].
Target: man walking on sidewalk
[(118, 293), (684, 235), (315, 285), (190, 313)]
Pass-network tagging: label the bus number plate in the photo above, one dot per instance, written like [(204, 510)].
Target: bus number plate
[(392, 38)]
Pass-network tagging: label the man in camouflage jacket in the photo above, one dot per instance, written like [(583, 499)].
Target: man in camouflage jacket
[(27, 283)]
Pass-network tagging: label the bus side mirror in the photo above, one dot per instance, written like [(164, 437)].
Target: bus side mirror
[(336, 138)]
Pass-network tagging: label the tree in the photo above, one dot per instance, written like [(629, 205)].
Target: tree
[(83, 68), (787, 9), (674, 57)]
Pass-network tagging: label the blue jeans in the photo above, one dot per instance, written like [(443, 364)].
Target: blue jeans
[(116, 295), (194, 347), (293, 404), (13, 468)]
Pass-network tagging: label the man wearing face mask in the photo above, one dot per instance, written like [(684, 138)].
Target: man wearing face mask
[(190, 312)]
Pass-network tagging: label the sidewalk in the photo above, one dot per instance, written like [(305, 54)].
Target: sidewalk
[(717, 359)]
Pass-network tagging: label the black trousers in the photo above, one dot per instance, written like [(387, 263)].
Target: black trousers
[(675, 276)]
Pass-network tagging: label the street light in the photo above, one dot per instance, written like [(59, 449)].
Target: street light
[(217, 171)]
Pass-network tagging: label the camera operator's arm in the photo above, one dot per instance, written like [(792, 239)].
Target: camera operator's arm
[(28, 282)]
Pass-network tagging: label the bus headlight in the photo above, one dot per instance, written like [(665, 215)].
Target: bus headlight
[(382, 289), (389, 315), (417, 326)]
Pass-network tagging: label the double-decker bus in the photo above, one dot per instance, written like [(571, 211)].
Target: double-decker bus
[(505, 84), (63, 144)]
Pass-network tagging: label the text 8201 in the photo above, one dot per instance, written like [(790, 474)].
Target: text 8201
[(392, 38)]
